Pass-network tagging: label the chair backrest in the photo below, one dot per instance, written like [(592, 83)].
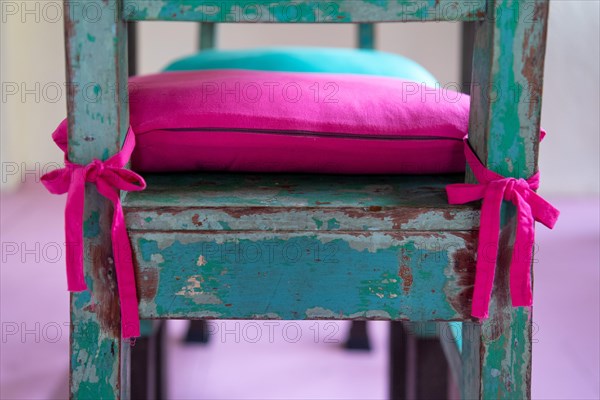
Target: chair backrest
[(508, 60)]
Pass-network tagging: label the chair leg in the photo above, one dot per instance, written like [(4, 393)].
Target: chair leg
[(140, 369), (496, 354), (432, 370), (147, 357), (159, 354), (497, 357), (401, 362), (418, 368), (99, 359), (358, 337), (197, 332)]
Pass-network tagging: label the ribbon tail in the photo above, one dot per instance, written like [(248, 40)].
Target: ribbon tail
[(542, 211), (487, 251), (74, 232), (130, 320), (520, 270)]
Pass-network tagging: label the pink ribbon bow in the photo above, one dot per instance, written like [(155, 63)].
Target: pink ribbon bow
[(494, 188), (109, 177)]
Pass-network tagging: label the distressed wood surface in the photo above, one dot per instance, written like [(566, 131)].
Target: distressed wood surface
[(301, 11), (506, 90), (249, 202), (343, 275), (96, 61)]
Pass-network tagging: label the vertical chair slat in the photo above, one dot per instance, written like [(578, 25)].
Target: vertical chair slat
[(98, 120), (208, 36), (504, 131), (366, 36)]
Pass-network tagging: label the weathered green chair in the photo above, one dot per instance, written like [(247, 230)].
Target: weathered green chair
[(422, 269)]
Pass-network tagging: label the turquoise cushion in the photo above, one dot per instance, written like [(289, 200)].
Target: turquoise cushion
[(308, 59)]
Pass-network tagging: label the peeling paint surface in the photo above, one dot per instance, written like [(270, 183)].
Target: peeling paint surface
[(302, 275), (250, 202), (504, 131), (298, 11), (97, 125)]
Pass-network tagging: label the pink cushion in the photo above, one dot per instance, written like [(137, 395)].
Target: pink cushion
[(239, 120)]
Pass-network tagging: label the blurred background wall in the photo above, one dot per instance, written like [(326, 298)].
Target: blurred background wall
[(34, 91)]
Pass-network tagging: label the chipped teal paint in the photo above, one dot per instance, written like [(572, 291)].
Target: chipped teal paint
[(96, 59), (225, 225), (299, 219), (91, 226), (297, 276), (249, 202), (93, 387), (509, 55), (333, 224), (505, 356), (94, 373), (504, 135), (334, 11), (512, 54), (318, 222), (82, 298), (292, 190)]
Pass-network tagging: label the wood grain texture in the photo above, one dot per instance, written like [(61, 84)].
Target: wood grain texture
[(264, 202), (303, 11), (96, 61), (504, 131), (506, 91)]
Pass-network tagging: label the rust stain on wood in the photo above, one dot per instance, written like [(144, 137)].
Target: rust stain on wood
[(407, 278), (464, 266), (448, 215), (531, 60), (196, 220), (147, 282), (405, 271), (106, 301)]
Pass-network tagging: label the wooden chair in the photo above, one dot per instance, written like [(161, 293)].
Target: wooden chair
[(421, 269)]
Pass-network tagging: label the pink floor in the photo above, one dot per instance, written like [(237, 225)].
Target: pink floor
[(34, 317)]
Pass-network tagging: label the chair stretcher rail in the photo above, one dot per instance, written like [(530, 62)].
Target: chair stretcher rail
[(294, 11)]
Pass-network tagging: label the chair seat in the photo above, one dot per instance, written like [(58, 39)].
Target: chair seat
[(302, 246), (293, 202)]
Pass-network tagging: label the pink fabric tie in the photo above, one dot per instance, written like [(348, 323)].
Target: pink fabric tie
[(494, 188), (109, 176)]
